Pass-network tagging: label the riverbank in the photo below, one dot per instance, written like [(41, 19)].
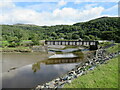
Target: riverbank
[(39, 48), (15, 49), (104, 76), (100, 58)]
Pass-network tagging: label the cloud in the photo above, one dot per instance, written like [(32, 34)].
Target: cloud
[(77, 2), (62, 3), (64, 15), (58, 16), (7, 5)]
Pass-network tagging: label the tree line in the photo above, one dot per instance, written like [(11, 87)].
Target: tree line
[(104, 28)]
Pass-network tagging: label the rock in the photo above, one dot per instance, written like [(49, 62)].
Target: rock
[(102, 62), (81, 72), (38, 87), (68, 81), (46, 85), (42, 87), (97, 62), (65, 78), (58, 79), (69, 78), (51, 85), (86, 64), (72, 72), (91, 68), (75, 76), (61, 83)]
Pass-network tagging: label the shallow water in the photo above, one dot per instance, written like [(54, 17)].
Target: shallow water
[(16, 60), (41, 71)]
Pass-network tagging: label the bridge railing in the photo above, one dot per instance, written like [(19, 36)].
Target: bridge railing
[(71, 42)]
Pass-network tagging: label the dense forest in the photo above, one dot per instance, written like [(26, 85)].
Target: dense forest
[(104, 28)]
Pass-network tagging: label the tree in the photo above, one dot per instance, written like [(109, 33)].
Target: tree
[(75, 36), (86, 37), (68, 36), (61, 35), (92, 37), (14, 41), (54, 34), (35, 39), (108, 35)]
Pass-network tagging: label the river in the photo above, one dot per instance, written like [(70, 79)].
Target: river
[(27, 70)]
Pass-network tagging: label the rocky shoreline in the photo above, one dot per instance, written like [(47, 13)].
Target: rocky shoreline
[(100, 58)]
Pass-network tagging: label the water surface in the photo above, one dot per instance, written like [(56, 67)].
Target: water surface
[(41, 70)]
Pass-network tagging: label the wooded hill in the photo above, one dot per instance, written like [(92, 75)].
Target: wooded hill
[(104, 28)]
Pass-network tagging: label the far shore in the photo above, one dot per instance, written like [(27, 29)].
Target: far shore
[(21, 49), (15, 49)]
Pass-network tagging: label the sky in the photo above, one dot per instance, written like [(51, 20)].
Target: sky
[(55, 12)]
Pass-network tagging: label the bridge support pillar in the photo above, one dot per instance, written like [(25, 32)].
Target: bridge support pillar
[(93, 47)]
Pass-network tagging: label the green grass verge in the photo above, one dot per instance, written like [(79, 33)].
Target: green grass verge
[(103, 44), (104, 76), (114, 49)]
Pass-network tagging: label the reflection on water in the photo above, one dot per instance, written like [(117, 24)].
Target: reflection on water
[(64, 50), (74, 57), (36, 67), (68, 55), (42, 71), (25, 77)]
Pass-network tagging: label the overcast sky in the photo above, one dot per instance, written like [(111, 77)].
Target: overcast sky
[(55, 12)]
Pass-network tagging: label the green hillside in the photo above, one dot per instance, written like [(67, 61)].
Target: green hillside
[(105, 28)]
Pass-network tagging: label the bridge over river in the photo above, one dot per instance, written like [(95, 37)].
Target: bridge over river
[(93, 45)]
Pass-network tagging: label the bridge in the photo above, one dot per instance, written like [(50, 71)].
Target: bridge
[(92, 44)]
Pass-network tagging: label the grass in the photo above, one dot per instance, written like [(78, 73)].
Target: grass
[(4, 43), (103, 44), (104, 76), (114, 49)]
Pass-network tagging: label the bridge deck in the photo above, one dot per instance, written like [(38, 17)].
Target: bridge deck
[(71, 42)]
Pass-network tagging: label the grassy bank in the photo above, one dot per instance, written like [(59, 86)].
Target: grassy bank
[(15, 49), (104, 76), (114, 49)]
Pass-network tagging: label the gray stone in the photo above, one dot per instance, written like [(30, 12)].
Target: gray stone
[(68, 81)]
